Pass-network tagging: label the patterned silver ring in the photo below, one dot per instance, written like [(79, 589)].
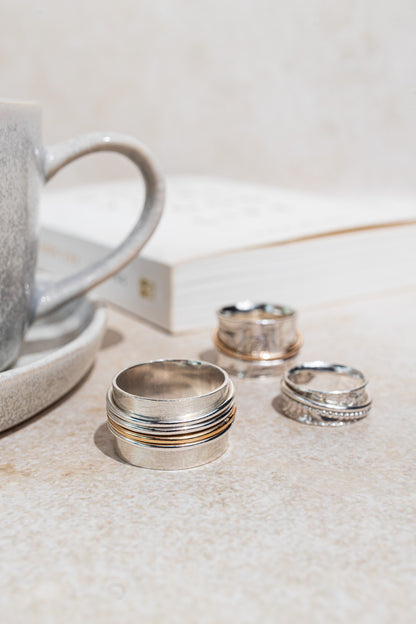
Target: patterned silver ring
[(319, 393), (333, 385)]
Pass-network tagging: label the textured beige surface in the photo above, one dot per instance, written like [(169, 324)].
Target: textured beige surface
[(294, 524)]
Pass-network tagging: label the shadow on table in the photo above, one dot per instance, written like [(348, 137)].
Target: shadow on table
[(209, 355), (111, 338), (104, 441), (277, 405)]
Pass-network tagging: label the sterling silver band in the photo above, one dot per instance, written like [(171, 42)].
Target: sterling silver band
[(342, 386), (261, 336), (171, 414), (324, 394)]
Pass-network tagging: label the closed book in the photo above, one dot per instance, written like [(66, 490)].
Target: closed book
[(221, 241)]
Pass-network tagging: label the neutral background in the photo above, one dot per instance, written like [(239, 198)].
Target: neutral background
[(310, 94)]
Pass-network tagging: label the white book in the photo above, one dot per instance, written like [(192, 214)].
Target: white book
[(221, 241)]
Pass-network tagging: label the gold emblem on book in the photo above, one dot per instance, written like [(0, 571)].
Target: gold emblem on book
[(147, 288)]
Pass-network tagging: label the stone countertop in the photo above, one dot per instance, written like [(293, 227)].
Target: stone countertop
[(294, 523)]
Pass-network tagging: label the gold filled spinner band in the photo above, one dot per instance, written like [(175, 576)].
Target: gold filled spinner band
[(171, 414), (256, 338)]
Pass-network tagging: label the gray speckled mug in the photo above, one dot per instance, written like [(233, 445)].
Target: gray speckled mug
[(24, 166)]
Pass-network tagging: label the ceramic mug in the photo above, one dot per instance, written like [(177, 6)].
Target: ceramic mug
[(24, 166)]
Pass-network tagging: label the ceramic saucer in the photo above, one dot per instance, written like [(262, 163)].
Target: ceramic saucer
[(58, 351)]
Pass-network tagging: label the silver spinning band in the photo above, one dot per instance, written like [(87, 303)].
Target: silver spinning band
[(338, 375), (171, 414), (324, 394), (307, 412), (261, 333)]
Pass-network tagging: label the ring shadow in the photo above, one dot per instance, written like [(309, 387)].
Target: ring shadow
[(209, 355), (277, 404), (104, 441)]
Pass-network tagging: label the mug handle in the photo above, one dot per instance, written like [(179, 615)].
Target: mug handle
[(62, 154)]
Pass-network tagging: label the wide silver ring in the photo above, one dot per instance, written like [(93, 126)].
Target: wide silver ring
[(319, 393), (256, 338), (171, 414)]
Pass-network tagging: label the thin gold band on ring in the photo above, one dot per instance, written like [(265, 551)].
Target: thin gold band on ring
[(171, 414), (293, 350), (180, 440)]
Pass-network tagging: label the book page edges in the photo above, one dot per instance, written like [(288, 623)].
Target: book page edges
[(316, 271), (298, 239)]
